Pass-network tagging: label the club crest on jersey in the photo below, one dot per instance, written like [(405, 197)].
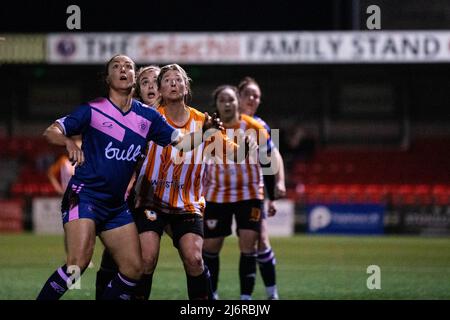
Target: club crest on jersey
[(211, 223), (143, 125), (151, 215)]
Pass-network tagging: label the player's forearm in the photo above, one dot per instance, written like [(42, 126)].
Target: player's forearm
[(279, 177), (188, 142), (269, 183), (54, 135)]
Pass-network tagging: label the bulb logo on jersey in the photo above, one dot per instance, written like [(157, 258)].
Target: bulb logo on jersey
[(131, 154)]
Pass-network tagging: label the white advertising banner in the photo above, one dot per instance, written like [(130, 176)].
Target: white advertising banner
[(46, 215), (252, 47)]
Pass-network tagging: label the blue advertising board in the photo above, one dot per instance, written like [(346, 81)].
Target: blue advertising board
[(346, 219)]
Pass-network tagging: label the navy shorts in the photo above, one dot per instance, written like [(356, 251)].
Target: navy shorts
[(179, 224), (106, 217), (219, 217)]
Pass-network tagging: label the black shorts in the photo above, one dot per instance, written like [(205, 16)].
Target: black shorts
[(219, 217), (180, 224)]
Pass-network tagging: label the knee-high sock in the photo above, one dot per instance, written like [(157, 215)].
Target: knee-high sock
[(199, 287), (247, 274), (144, 287), (57, 284), (108, 270), (120, 288), (266, 261), (212, 261)]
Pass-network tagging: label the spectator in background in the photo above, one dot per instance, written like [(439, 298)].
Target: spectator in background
[(62, 170), (297, 144)]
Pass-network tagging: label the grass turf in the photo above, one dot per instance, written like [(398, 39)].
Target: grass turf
[(308, 267)]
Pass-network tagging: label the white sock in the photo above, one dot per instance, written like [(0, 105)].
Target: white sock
[(272, 292)]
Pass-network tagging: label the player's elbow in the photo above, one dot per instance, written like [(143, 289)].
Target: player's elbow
[(53, 134), (47, 133)]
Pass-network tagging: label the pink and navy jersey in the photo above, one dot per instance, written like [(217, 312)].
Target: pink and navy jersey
[(112, 142), (270, 144)]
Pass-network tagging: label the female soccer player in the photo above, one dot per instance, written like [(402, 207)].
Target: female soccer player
[(235, 189), (146, 92), (147, 87), (114, 132), (169, 189), (250, 98)]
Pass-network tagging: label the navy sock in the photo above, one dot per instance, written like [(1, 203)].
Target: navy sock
[(199, 287), (144, 287), (120, 288), (108, 270), (56, 285), (266, 261), (247, 273), (212, 261)]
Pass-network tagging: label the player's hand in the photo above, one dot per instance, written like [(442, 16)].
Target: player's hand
[(212, 122), (271, 209), (76, 156)]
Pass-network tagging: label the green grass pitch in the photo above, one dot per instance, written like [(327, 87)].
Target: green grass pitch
[(308, 267)]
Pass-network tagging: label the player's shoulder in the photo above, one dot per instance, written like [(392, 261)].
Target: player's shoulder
[(143, 110), (251, 122), (196, 114), (262, 122)]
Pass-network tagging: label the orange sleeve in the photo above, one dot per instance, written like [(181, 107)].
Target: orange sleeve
[(55, 168)]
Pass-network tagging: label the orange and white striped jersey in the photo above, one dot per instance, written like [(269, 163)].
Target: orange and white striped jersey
[(171, 181), (232, 182), (62, 170)]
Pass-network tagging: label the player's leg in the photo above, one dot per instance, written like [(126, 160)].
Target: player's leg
[(248, 221), (266, 261), (150, 244), (218, 220), (188, 239), (211, 257), (108, 269), (123, 244), (150, 227), (80, 242), (247, 262)]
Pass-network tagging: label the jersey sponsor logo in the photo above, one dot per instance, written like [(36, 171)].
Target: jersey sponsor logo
[(168, 184), (131, 154), (211, 223)]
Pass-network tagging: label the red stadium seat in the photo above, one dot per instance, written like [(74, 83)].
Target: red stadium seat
[(441, 194)]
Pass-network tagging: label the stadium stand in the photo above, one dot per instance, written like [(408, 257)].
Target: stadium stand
[(417, 176)]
